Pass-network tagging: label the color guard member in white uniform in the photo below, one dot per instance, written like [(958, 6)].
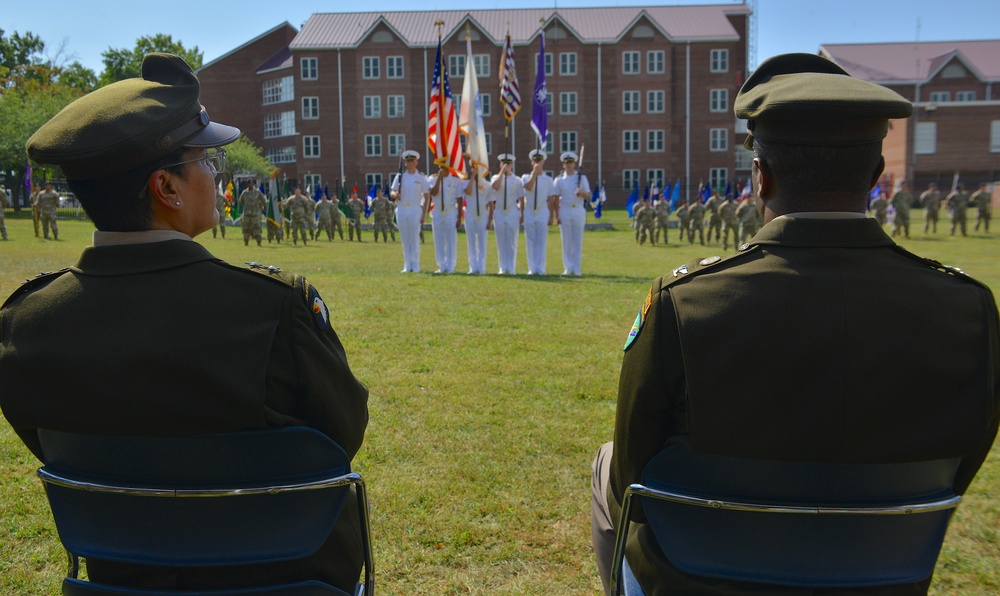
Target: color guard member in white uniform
[(539, 211), (412, 195), (478, 217), (446, 192), (573, 189), (508, 202)]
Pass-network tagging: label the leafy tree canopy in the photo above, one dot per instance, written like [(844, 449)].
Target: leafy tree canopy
[(244, 158), (125, 63)]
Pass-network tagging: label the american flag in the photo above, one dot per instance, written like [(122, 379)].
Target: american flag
[(442, 122), (510, 96)]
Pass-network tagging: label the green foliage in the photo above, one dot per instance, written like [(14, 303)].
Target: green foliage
[(23, 110), (489, 396), (245, 158), (77, 76), (125, 63)]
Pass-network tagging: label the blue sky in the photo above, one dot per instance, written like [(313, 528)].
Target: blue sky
[(86, 28)]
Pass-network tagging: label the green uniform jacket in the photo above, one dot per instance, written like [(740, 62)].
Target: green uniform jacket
[(781, 352), (129, 342)]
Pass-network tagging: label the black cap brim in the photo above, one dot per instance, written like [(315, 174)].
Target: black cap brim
[(213, 135)]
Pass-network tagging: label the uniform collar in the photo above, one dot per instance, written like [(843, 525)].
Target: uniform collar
[(125, 259), (813, 232), (141, 237)]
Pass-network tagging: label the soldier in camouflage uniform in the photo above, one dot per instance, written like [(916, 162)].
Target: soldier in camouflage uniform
[(746, 213), (300, 207), (879, 208), (645, 219), (252, 204), (982, 199), (662, 211), (324, 213), (958, 202), (901, 203), (382, 210), (930, 199), (357, 208), (48, 202), (683, 219), (697, 214), (220, 206), (336, 218), (714, 221), (4, 203), (730, 223)]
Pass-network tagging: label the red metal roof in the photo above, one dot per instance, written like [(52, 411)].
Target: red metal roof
[(914, 61), (591, 25)]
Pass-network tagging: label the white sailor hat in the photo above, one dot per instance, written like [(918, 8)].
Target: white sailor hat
[(536, 153), (410, 154), (506, 157), (568, 156)]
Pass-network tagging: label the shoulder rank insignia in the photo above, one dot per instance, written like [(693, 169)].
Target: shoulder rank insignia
[(321, 313), (640, 320)]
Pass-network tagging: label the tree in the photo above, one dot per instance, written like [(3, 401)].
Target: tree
[(245, 158), (123, 63), (77, 76), (19, 55)]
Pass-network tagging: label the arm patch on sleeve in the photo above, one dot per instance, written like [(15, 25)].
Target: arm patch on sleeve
[(321, 314)]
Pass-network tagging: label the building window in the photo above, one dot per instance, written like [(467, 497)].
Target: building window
[(279, 90), (655, 177), (397, 144), (654, 141), (655, 62), (395, 106), (489, 143), (925, 138), (567, 141), (278, 155), (485, 104), (630, 102), (995, 136), (630, 179), (312, 182), (718, 139), (549, 108), (940, 96), (482, 62), (394, 67), (310, 108), (630, 63), (719, 100), (456, 65), (310, 146), (369, 67), (630, 140), (281, 124), (310, 69), (548, 64), (567, 103), (655, 102), (567, 64), (373, 145), (549, 147), (373, 180), (719, 60), (965, 96), (744, 158), (717, 178), (373, 106)]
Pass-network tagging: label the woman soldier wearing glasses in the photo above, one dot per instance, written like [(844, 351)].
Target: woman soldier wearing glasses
[(136, 318)]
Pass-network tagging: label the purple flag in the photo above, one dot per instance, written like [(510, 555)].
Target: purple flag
[(539, 105), (27, 179)]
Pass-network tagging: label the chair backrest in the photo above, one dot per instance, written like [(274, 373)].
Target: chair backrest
[(796, 523), (199, 501)]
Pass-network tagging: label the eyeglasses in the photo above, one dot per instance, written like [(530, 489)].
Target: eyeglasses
[(216, 161)]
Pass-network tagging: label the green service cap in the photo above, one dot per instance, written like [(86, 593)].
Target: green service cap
[(130, 123), (805, 99)]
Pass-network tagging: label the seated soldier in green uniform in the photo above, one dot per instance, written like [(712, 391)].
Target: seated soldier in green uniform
[(135, 325)]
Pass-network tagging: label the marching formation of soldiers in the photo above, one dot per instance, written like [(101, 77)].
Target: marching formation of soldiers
[(899, 206), (727, 217)]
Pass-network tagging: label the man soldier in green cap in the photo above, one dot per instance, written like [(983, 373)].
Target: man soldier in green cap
[(901, 201), (220, 206), (880, 208), (958, 204), (696, 217), (299, 206), (982, 200), (134, 323), (930, 199), (809, 289), (4, 203), (252, 205), (48, 202)]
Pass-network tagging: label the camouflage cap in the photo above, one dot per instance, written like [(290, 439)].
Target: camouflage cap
[(805, 99), (130, 123)]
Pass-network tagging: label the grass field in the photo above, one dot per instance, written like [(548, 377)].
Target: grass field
[(489, 398)]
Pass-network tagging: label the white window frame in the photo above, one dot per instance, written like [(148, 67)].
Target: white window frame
[(925, 138), (279, 155), (486, 104), (656, 141), (373, 179), (657, 176), (549, 143), (995, 136), (656, 62), (550, 107), (718, 100), (631, 102), (631, 64), (631, 141), (719, 60), (568, 65), (630, 178), (482, 64), (394, 67), (311, 181), (279, 124), (656, 101), (310, 146), (548, 63), (397, 144), (940, 97), (568, 103), (373, 145), (309, 69), (717, 177), (568, 141), (718, 139), (489, 143), (370, 68), (310, 107), (395, 106), (965, 96), (372, 106), (278, 90)]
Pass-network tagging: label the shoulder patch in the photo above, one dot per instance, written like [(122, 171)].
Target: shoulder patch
[(640, 320), (321, 314)]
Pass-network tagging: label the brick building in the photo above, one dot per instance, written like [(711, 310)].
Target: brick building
[(954, 133), (647, 90)]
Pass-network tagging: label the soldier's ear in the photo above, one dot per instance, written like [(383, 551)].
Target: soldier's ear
[(162, 191), (761, 175)]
